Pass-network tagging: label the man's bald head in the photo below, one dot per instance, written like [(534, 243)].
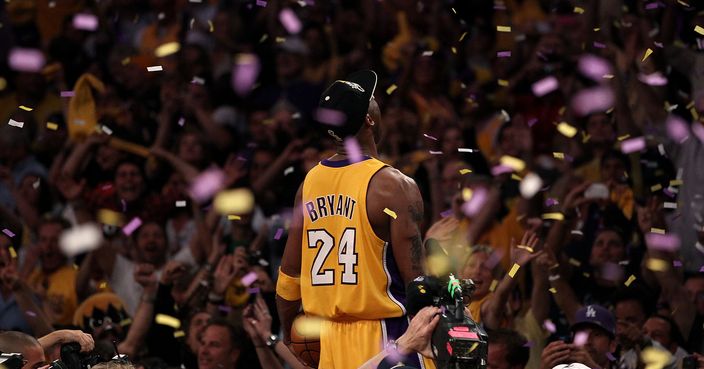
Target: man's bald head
[(28, 346)]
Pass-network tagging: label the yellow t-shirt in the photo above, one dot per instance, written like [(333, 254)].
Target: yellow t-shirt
[(58, 291)]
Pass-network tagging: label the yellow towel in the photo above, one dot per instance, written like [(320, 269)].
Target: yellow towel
[(82, 116)]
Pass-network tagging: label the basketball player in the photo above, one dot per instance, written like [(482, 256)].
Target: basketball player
[(354, 241)]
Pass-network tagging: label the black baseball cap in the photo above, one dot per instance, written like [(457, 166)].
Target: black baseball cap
[(350, 97)]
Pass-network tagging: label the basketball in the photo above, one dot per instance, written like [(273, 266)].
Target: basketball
[(305, 339)]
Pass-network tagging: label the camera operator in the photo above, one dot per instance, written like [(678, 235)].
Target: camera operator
[(416, 339), (37, 353)]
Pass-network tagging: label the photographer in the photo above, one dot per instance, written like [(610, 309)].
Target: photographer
[(37, 353)]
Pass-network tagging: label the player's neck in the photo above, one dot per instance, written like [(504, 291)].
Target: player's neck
[(366, 148)]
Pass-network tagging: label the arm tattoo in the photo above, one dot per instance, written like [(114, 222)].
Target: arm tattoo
[(416, 211)]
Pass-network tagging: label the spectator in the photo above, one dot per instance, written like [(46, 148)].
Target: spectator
[(220, 346), (507, 350)]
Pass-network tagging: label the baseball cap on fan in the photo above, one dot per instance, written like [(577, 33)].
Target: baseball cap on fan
[(350, 97), (595, 316)]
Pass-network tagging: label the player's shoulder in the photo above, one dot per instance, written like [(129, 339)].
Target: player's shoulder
[(390, 183), (389, 175)]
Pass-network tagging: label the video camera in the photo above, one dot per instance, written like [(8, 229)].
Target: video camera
[(11, 360), (73, 358), (458, 342)]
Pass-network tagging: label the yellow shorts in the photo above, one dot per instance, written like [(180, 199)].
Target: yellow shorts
[(348, 345)]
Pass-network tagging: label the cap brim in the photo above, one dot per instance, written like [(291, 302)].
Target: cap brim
[(367, 79), (589, 323)]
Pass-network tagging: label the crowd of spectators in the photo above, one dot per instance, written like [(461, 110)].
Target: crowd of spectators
[(558, 145)]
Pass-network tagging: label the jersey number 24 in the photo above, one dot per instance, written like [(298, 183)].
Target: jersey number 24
[(346, 256)]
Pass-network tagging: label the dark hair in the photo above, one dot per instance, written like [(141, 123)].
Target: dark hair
[(12, 341), (52, 219), (675, 334), (618, 155), (637, 293), (517, 351), (234, 332)]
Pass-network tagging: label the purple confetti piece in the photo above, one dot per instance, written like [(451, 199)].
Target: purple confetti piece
[(500, 169), (610, 356), (26, 60), (549, 326), (633, 145), (8, 233), (254, 290), (249, 278), (209, 182), (503, 54), (677, 128), (31, 313), (698, 130), (86, 22), (651, 6), (430, 137), (124, 205), (67, 94), (475, 203), (597, 99), (261, 3), (354, 152), (279, 233), (551, 201), (132, 226), (701, 270), (225, 308), (245, 73), (531, 122), (612, 272), (545, 86), (290, 21), (446, 213), (676, 263), (599, 45), (181, 121), (594, 67), (329, 116), (658, 44), (653, 79), (663, 242), (580, 338)]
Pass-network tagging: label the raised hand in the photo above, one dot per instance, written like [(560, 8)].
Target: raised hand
[(526, 251), (145, 275), (224, 274), (172, 272), (555, 353)]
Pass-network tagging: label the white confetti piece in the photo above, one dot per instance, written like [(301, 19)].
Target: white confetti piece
[(155, 68), (80, 239), (181, 203), (288, 171), (15, 123), (530, 185)]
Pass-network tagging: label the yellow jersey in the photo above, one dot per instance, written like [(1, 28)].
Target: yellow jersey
[(348, 273)]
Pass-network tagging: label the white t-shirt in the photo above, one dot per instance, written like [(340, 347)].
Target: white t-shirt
[(123, 283)]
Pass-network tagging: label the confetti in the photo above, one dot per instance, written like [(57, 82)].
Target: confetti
[(390, 212), (288, 171), (207, 184), (611, 272), (427, 53), (290, 21), (493, 285), (132, 226), (124, 322), (476, 202), (329, 116), (663, 242), (155, 68), (245, 73), (435, 152), (261, 3), (15, 123), (167, 49), (566, 129), (578, 10), (463, 36), (545, 86), (354, 152), (238, 201), (553, 216), (85, 22), (599, 45), (657, 230), (549, 326), (574, 262), (530, 185), (594, 67), (168, 320), (308, 326), (630, 280), (514, 270), (279, 233), (558, 155), (13, 253), (430, 137), (503, 28), (596, 99), (503, 54), (655, 358), (8, 232), (181, 203), (463, 149), (698, 29), (234, 217), (698, 130), (653, 79), (676, 263), (655, 187), (647, 54), (391, 89), (211, 27), (109, 217), (633, 145), (512, 162), (67, 94), (580, 338), (677, 128), (657, 265), (669, 204), (81, 238), (502, 82), (465, 171), (179, 334), (25, 108), (249, 278)]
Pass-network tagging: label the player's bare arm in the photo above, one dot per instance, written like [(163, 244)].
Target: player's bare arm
[(391, 189), (291, 266)]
